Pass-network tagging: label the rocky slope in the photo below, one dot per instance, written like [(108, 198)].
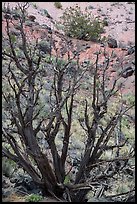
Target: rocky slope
[(121, 26)]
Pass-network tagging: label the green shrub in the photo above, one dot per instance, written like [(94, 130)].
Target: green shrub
[(67, 179), (57, 5), (34, 5), (8, 167), (34, 198), (81, 25), (129, 99)]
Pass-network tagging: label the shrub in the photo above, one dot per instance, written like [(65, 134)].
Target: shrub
[(67, 179), (44, 46), (81, 25), (33, 198), (8, 167), (45, 12), (34, 5), (57, 5)]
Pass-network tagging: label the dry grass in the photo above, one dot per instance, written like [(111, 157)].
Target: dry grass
[(13, 197)]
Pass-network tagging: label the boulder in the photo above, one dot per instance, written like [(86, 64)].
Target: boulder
[(112, 43), (127, 72), (31, 18)]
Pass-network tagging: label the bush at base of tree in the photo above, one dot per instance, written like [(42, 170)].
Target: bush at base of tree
[(33, 198)]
